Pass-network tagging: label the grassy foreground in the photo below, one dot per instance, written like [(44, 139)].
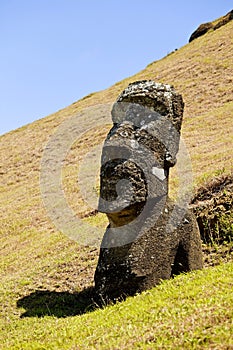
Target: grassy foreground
[(193, 311)]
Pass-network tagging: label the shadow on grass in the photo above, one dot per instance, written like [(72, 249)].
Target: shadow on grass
[(58, 304)]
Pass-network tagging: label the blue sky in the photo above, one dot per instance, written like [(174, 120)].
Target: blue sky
[(54, 52)]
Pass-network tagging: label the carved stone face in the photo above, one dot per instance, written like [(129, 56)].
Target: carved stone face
[(139, 149)]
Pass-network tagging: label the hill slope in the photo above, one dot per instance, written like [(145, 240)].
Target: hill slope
[(34, 255)]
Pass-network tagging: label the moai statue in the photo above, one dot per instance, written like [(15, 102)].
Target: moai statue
[(148, 238)]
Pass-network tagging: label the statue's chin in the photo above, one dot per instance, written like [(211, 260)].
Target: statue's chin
[(131, 213), (125, 216)]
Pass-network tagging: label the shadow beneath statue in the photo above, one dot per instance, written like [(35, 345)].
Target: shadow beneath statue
[(59, 304)]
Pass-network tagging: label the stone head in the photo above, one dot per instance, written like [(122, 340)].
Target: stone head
[(141, 146)]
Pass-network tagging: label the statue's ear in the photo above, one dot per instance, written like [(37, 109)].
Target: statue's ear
[(174, 118), (171, 151)]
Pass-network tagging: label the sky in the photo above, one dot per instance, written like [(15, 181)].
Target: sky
[(54, 52)]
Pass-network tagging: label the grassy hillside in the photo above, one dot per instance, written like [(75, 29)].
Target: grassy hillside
[(36, 257)]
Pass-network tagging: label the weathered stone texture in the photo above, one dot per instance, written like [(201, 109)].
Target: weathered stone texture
[(142, 244)]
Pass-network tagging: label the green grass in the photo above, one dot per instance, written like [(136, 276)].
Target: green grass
[(192, 311)]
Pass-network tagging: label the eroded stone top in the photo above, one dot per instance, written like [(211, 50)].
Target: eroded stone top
[(157, 97)]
